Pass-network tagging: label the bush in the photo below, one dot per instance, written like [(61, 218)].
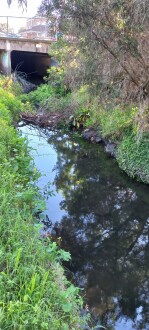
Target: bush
[(8, 84), (133, 156), (12, 103), (39, 96), (56, 79), (55, 103), (117, 122), (5, 113)]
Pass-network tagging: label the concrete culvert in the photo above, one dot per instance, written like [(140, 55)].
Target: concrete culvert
[(34, 65)]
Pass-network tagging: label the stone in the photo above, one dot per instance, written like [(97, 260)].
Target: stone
[(91, 135), (110, 149)]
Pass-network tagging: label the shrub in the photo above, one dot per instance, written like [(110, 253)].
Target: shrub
[(56, 79), (117, 122), (40, 95), (133, 156), (8, 84), (81, 98), (5, 113), (13, 104), (55, 103), (80, 104)]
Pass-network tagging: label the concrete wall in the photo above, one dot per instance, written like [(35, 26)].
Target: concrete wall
[(25, 45), (4, 61)]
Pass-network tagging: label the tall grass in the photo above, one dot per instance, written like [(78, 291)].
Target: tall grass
[(34, 292)]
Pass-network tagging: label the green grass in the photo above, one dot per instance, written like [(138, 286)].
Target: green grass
[(39, 96), (120, 124), (34, 292), (133, 156), (117, 122), (47, 97), (12, 103)]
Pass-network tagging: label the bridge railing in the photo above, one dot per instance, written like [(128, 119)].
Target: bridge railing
[(28, 28)]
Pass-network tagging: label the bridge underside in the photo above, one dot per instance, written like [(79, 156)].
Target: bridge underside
[(32, 64)]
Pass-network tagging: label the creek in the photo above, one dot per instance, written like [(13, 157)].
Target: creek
[(102, 217)]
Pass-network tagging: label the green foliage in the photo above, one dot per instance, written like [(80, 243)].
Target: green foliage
[(80, 118), (91, 28), (67, 73), (48, 99), (117, 122), (12, 103), (82, 97), (95, 109), (55, 103), (56, 78), (82, 111), (4, 113), (121, 125), (61, 52), (39, 96), (8, 84), (34, 292), (133, 156)]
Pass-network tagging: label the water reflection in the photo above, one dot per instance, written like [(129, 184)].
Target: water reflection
[(45, 158), (106, 231), (105, 227)]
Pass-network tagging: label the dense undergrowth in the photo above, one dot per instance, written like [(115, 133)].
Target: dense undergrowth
[(34, 292), (120, 125)]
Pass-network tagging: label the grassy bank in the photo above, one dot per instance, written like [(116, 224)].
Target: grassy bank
[(125, 125), (122, 126), (34, 292)]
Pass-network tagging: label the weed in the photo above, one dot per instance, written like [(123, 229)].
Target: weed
[(11, 102), (34, 292), (133, 156), (117, 122), (40, 95)]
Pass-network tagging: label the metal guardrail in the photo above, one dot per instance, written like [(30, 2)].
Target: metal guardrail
[(28, 28)]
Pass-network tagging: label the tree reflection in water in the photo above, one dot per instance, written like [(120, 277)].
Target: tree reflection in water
[(106, 231)]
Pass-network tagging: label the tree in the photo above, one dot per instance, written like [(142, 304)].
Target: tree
[(22, 3), (113, 37)]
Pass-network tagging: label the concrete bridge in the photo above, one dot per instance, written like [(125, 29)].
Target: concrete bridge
[(27, 52), (24, 55)]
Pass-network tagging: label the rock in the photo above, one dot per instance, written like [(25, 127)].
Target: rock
[(88, 133), (110, 149), (98, 139), (91, 135)]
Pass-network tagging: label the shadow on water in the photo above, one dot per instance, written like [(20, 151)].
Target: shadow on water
[(103, 219)]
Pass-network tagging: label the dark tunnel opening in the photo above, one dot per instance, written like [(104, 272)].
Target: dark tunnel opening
[(33, 66)]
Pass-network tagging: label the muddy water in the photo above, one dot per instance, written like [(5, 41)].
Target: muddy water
[(103, 219)]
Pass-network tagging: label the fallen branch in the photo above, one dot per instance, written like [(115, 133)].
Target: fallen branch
[(42, 119)]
